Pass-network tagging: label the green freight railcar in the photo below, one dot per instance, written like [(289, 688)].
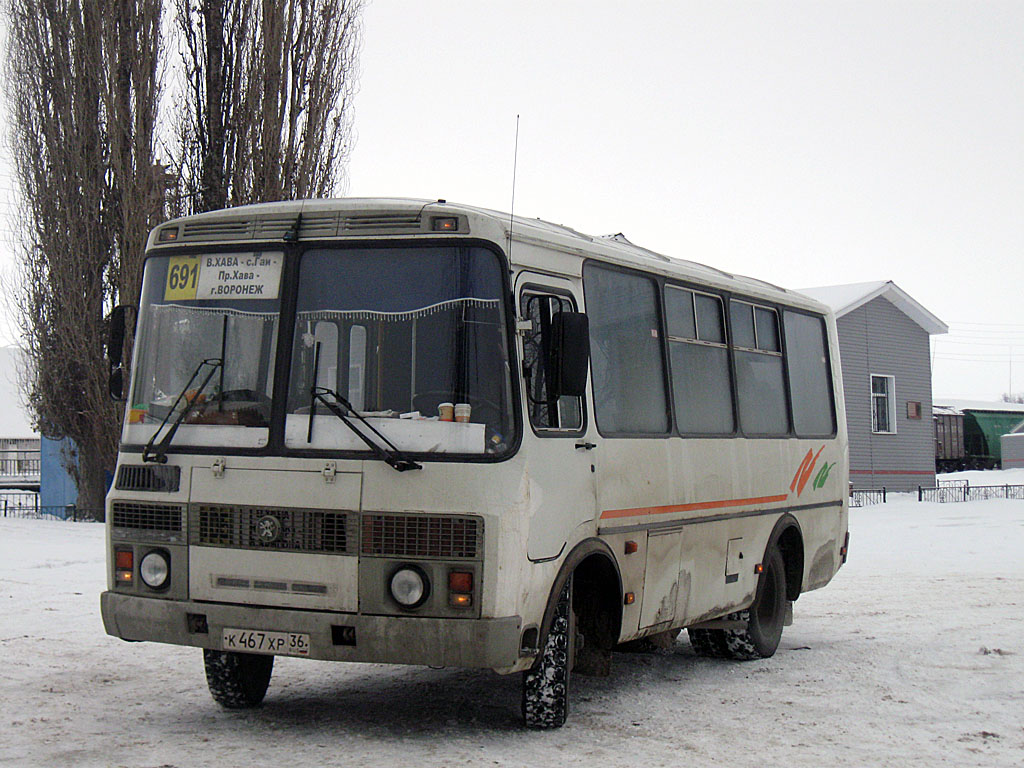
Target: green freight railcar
[(982, 430)]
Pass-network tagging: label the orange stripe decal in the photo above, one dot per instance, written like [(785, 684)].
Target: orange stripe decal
[(613, 513)]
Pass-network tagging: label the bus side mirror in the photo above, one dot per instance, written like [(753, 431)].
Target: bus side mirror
[(115, 384), (570, 354), (115, 349), (115, 339)]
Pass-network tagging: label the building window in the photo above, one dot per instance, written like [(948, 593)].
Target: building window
[(883, 411)]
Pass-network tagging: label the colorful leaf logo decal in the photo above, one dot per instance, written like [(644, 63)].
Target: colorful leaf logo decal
[(822, 476), (803, 472)]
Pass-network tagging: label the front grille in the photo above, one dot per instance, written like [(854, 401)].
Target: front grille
[(283, 530), (161, 478), (149, 517), (421, 536)]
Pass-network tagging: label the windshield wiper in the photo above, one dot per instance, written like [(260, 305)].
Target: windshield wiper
[(393, 457), (159, 454)]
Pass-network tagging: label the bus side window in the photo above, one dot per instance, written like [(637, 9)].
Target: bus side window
[(699, 359), (760, 383), (565, 414), (810, 377)]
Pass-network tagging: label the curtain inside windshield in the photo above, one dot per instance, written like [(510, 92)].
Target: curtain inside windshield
[(414, 335)]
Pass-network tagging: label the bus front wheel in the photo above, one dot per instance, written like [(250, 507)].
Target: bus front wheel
[(237, 680), (546, 685)]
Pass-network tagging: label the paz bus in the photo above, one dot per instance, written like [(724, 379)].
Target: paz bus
[(416, 432)]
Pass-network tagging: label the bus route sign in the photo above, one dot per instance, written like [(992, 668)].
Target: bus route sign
[(223, 276)]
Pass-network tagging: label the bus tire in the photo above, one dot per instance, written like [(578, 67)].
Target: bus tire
[(764, 619), (237, 680), (545, 701), (709, 643)]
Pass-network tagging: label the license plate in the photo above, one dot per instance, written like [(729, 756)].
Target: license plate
[(260, 641)]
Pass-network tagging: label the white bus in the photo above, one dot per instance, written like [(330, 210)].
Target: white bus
[(424, 433)]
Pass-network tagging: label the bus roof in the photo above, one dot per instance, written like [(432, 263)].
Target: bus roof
[(395, 217)]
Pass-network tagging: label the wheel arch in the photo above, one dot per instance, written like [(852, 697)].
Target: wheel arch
[(597, 590), (789, 538)]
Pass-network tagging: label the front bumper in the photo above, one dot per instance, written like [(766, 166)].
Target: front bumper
[(481, 643)]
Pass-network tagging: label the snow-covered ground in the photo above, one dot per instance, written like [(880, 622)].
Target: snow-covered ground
[(987, 477), (914, 655)]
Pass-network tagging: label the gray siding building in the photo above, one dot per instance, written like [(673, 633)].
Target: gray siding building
[(884, 344)]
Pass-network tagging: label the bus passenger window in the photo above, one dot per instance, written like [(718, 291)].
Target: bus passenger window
[(565, 414), (809, 381), (759, 376), (625, 352), (700, 362)]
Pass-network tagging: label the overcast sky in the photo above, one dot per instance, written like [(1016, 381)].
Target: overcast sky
[(806, 143)]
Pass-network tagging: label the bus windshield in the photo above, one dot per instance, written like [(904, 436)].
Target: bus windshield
[(412, 338), (220, 308)]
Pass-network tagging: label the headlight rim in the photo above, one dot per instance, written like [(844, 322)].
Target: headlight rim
[(424, 580), (165, 557)]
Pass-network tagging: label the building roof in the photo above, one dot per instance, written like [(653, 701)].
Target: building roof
[(957, 405), (845, 298)]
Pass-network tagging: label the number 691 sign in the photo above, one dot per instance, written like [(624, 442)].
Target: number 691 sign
[(223, 276)]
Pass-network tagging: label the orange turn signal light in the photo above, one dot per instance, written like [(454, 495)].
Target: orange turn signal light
[(630, 598), (124, 565), (444, 224), (759, 568), (631, 547), (460, 601), (460, 581)]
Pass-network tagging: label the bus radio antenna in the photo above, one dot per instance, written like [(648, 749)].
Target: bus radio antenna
[(512, 209)]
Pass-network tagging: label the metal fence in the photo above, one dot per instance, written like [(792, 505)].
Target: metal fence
[(964, 492), (944, 492), (864, 497), (26, 505)]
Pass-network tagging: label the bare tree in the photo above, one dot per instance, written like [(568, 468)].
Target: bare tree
[(266, 113), (138, 183), (80, 77)]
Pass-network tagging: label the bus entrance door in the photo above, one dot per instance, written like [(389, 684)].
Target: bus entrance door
[(560, 457)]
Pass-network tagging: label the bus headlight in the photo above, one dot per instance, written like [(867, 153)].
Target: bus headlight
[(154, 570), (410, 586)]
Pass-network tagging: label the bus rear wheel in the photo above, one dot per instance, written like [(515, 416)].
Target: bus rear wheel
[(760, 638), (237, 680), (546, 685), (709, 643)]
